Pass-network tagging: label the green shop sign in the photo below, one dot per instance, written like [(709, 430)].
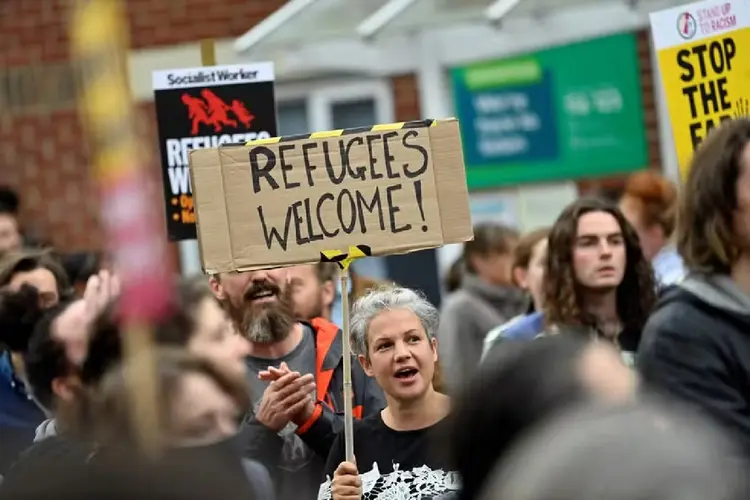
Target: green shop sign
[(562, 113)]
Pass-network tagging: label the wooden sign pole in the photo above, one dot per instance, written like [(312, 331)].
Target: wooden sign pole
[(347, 368), (208, 53), (99, 43)]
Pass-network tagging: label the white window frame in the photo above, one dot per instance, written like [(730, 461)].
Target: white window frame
[(320, 96)]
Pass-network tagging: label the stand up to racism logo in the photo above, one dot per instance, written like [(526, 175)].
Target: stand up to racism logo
[(205, 108), (686, 25)]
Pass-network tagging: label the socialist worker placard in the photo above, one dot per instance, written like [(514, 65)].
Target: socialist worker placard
[(206, 107)]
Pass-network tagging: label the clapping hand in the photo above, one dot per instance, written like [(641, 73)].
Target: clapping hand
[(286, 399)]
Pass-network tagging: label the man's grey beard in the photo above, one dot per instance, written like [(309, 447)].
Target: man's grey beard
[(259, 330), (268, 326)]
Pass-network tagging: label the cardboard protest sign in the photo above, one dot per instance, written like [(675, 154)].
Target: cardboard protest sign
[(202, 108), (704, 58), (381, 190)]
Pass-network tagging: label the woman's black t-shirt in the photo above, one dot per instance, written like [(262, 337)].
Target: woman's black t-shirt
[(395, 465)]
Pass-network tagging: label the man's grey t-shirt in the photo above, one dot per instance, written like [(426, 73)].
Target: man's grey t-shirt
[(300, 470)]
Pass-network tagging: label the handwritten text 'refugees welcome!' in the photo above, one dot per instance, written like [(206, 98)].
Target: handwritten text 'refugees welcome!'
[(316, 189)]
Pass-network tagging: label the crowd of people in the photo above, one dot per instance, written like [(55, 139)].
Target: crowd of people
[(604, 356)]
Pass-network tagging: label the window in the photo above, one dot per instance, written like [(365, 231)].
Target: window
[(353, 113), (326, 106), (314, 107), (292, 117)]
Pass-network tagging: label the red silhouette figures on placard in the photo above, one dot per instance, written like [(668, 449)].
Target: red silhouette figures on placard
[(210, 110), (197, 112), (242, 113)]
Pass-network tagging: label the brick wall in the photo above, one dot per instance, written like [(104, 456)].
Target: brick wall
[(42, 152)]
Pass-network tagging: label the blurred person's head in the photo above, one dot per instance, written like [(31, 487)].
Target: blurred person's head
[(392, 332), (200, 401), (632, 452), (213, 334), (529, 258), (196, 323), (59, 343), (713, 220), (39, 269), (522, 384), (489, 256), (55, 353), (11, 239), (20, 311), (313, 289), (26, 276), (648, 203), (592, 252), (260, 303)]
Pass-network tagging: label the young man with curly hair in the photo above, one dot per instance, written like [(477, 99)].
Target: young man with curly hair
[(597, 281)]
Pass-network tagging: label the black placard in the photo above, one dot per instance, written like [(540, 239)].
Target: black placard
[(206, 107)]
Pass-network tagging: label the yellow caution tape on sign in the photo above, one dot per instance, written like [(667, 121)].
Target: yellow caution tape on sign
[(347, 131), (326, 134), (344, 259)]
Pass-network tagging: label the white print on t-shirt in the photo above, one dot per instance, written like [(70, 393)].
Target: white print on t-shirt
[(419, 483)]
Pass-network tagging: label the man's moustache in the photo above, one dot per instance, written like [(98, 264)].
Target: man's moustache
[(273, 290)]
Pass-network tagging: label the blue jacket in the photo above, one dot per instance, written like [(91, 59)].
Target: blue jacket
[(522, 327), (526, 328), (19, 415), (668, 266)]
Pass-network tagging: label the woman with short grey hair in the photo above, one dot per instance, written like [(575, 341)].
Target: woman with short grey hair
[(388, 298), (392, 331)]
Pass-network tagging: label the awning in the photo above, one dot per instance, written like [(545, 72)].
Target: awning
[(308, 37), (301, 22), (377, 36), (427, 14)]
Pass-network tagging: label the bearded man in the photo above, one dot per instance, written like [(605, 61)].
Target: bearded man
[(296, 377)]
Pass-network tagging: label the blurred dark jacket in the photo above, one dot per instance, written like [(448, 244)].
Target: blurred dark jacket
[(696, 347)]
